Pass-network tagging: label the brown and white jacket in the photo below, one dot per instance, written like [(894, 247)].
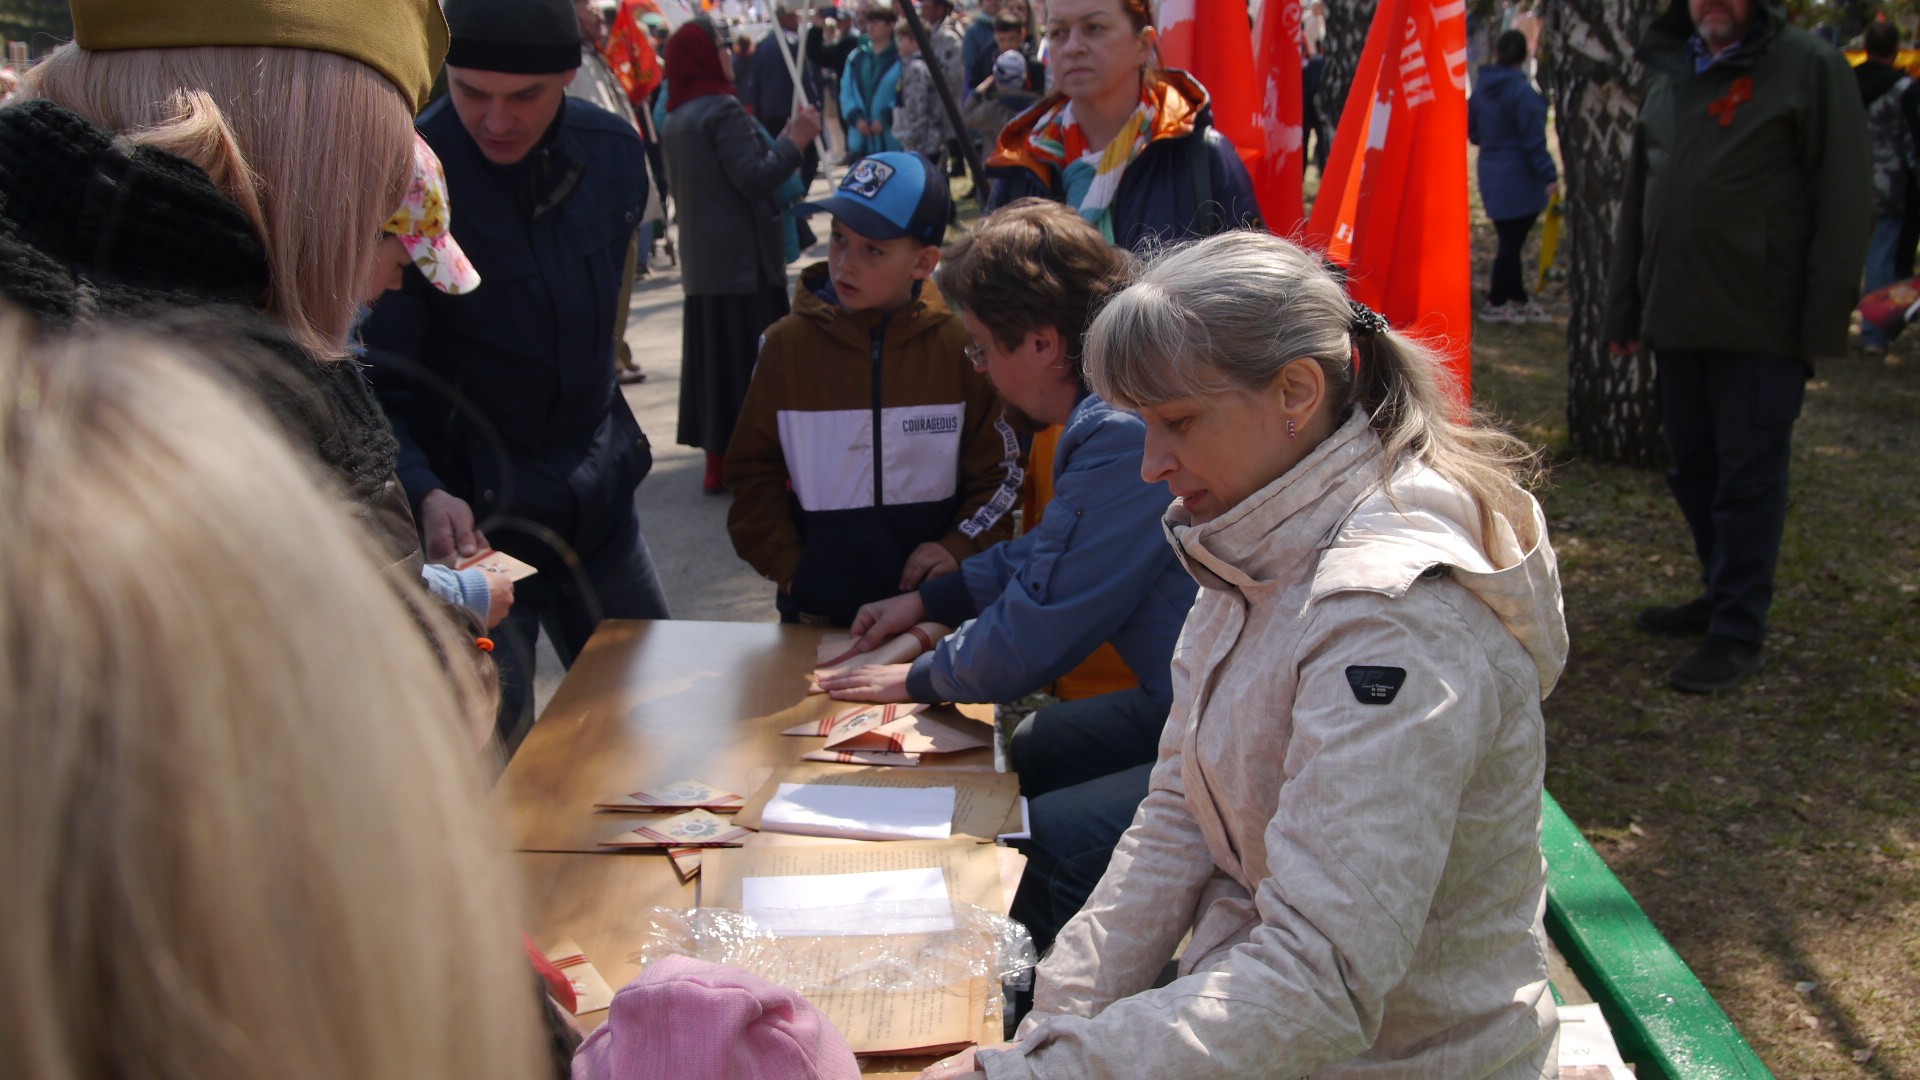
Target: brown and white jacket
[(1346, 807)]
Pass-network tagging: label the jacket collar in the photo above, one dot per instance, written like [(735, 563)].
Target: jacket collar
[(1664, 46), (1274, 533), (1335, 517), (551, 170), (105, 210), (1184, 107), (814, 299)]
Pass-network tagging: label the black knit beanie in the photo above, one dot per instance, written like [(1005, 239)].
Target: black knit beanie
[(520, 37)]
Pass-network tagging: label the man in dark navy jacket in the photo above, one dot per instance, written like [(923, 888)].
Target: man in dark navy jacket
[(504, 398)]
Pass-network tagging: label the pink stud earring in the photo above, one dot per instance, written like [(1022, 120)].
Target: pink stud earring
[(1291, 432)]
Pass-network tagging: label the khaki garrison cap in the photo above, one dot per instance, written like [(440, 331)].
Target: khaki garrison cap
[(405, 40)]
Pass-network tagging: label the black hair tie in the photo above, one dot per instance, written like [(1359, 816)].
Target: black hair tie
[(1366, 320)]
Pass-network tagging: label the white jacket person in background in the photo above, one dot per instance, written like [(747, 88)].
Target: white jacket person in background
[(1346, 806)]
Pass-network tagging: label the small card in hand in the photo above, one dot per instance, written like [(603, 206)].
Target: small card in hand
[(696, 828), (496, 562), (679, 795)]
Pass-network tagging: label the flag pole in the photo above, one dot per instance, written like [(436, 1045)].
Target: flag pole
[(800, 96)]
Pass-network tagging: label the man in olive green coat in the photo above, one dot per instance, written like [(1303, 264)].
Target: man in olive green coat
[(1737, 259)]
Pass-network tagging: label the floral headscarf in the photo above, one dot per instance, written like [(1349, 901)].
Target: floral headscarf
[(423, 224)]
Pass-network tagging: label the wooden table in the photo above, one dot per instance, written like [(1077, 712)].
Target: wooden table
[(652, 702)]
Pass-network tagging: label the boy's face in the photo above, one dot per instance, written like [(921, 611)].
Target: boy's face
[(1007, 39), (876, 275)]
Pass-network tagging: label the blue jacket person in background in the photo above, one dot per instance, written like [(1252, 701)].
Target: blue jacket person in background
[(1507, 120), (504, 399)]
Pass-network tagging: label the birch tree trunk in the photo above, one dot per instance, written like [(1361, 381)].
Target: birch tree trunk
[(1612, 412)]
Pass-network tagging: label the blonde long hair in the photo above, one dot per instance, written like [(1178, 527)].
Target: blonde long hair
[(245, 829), (1228, 312), (315, 147)]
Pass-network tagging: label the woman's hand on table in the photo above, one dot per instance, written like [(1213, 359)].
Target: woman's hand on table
[(877, 623), (960, 1066), (880, 683)]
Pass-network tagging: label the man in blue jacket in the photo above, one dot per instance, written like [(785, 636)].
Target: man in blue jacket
[(503, 399), (1097, 569)]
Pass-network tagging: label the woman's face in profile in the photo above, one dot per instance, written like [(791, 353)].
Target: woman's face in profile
[(1216, 449), (390, 262)]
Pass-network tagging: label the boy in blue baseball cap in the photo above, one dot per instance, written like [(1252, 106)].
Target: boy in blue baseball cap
[(870, 454)]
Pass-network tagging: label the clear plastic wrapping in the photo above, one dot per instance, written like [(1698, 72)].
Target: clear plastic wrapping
[(891, 946)]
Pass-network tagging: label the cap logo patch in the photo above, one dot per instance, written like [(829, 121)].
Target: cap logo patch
[(867, 177), (1375, 685)]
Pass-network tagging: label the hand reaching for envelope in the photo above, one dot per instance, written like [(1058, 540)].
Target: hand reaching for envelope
[(877, 623), (879, 683)]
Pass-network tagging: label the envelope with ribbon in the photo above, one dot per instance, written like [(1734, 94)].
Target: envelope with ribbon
[(862, 757), (869, 716), (696, 828), (837, 654), (686, 862), (917, 733), (591, 992), (679, 795)]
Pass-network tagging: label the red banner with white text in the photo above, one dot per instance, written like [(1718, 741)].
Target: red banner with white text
[(1211, 40), (1277, 180), (1392, 205)]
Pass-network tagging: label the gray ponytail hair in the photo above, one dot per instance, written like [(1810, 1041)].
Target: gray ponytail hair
[(1228, 312)]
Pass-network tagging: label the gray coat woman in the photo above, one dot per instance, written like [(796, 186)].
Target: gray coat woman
[(724, 175)]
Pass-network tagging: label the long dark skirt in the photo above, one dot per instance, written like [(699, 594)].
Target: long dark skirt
[(719, 342)]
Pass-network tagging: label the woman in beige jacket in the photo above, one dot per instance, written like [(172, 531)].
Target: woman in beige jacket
[(1346, 806)]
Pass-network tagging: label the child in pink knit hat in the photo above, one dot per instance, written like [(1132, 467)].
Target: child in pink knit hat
[(692, 1020)]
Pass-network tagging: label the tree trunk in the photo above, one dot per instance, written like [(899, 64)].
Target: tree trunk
[(1347, 25), (1612, 412)]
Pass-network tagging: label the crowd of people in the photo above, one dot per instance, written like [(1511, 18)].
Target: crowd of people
[(305, 307)]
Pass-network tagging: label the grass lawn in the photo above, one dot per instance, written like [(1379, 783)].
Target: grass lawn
[(1772, 833)]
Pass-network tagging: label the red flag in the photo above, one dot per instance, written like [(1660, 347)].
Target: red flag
[(1277, 180), (1210, 40), (629, 52), (1392, 206)]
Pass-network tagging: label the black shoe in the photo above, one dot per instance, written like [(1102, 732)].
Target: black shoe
[(1678, 620), (1720, 663)]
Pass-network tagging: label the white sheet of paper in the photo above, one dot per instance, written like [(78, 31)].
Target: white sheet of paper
[(910, 902), (1026, 824), (861, 813)]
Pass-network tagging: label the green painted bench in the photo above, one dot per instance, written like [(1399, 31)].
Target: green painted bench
[(1666, 1024)]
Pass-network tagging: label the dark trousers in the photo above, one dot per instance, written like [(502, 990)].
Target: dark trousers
[(616, 582), (1509, 284), (1728, 419), (1083, 767), (1909, 236)]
